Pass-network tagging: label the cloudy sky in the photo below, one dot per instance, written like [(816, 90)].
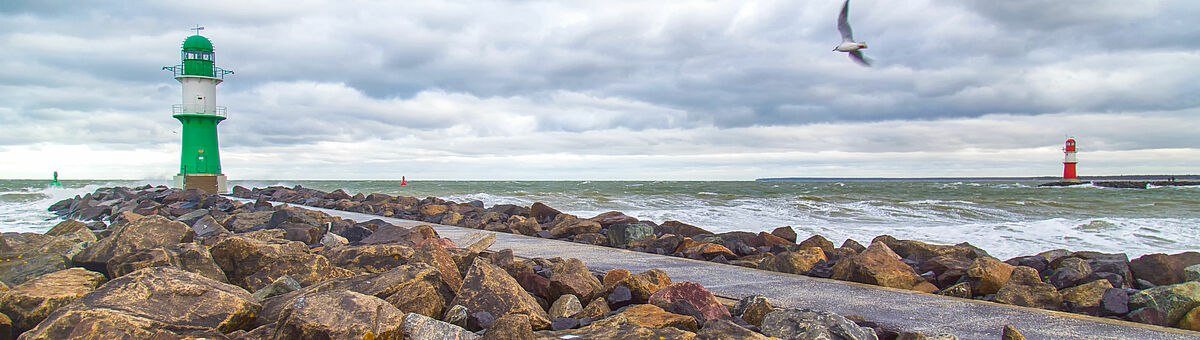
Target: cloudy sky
[(705, 90)]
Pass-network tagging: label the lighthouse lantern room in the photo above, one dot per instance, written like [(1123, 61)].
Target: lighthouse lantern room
[(200, 161), (1069, 162)]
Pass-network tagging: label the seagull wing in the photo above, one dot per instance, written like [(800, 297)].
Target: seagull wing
[(858, 57), (844, 25)]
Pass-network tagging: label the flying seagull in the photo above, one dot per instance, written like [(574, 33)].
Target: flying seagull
[(848, 43)]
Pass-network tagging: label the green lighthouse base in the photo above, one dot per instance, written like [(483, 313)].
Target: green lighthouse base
[(210, 183)]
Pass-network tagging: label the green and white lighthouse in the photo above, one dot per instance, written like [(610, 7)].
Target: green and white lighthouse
[(199, 161)]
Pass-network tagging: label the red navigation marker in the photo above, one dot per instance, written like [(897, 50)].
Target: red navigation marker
[(402, 182)]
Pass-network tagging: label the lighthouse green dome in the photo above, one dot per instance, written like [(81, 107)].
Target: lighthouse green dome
[(197, 43)]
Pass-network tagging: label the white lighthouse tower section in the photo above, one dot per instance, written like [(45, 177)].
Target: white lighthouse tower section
[(199, 95)]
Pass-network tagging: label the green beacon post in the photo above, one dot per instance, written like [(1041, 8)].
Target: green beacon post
[(55, 182), (199, 160)]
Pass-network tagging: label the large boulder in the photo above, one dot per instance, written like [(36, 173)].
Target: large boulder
[(799, 324), (340, 314), (727, 330), (642, 285), (693, 293), (31, 302), (921, 251), (1163, 269), (1025, 288), (573, 277), (66, 227), (151, 299), (621, 234), (307, 269), (753, 309), (652, 316), (682, 229), (488, 288), (1191, 321), (817, 241), (878, 265), (510, 327), (417, 326), (618, 327), (381, 285), (240, 256), (1069, 272), (370, 258), (542, 213), (1175, 300), (566, 225), (613, 218), (1086, 297), (794, 262), (145, 233), (987, 275), (436, 255)]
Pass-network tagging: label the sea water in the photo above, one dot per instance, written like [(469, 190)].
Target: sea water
[(1005, 218)]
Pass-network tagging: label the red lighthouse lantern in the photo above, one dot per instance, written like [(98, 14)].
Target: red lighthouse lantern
[(1069, 162)]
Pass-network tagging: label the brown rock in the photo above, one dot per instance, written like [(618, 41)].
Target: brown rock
[(510, 327), (621, 329), (425, 297), (341, 315), (145, 233), (1191, 321), (371, 258), (573, 277), (524, 226), (878, 265), (727, 330), (307, 269), (1086, 295), (652, 316), (595, 309), (6, 327), (817, 241), (753, 309), (785, 232), (240, 256), (947, 269), (432, 209), (922, 251), (66, 227), (240, 223), (612, 217), (1025, 288), (693, 293), (489, 289), (1163, 269), (708, 251), (393, 234), (987, 275), (128, 263), (683, 229), (613, 276), (150, 299), (381, 285), (852, 244), (542, 213), (642, 285), (435, 255), (793, 262), (31, 302), (1011, 333), (565, 225)]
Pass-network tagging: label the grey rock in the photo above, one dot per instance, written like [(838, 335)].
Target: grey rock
[(417, 326), (283, 285), (1191, 273), (567, 305), (622, 234), (807, 324)]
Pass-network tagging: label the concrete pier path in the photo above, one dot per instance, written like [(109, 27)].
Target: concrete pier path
[(891, 308)]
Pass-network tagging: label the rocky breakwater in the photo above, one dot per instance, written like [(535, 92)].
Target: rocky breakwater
[(1153, 289), (158, 263)]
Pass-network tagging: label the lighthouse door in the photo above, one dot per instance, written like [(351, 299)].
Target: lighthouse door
[(200, 165)]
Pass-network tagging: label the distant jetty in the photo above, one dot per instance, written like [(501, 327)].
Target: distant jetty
[(1123, 184)]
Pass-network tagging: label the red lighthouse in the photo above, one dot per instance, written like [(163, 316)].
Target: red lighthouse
[(1069, 162)]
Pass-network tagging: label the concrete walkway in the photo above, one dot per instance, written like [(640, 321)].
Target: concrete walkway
[(892, 308)]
